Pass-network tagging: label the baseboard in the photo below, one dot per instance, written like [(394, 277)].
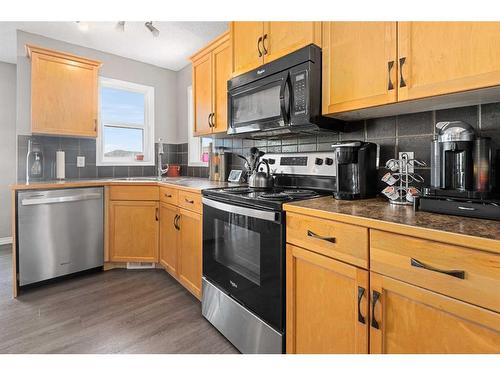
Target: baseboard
[(5, 240)]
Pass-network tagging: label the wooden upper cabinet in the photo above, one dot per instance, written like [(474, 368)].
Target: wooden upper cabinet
[(246, 40), (63, 93), (446, 57), (408, 319), (359, 65), (282, 38), (327, 304), (212, 68), (202, 91)]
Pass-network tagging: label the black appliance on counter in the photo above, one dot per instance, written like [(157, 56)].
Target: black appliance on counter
[(462, 174), (244, 250), (356, 165), (281, 97)]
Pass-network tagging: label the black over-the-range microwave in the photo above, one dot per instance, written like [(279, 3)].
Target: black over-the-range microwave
[(283, 96)]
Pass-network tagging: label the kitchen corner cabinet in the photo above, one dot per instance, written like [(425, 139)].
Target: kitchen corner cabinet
[(133, 231), (359, 65), (257, 43), (327, 304), (211, 71), (63, 93), (437, 58), (408, 319)]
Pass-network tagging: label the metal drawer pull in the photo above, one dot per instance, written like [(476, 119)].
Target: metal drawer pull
[(314, 235), (361, 292), (168, 195), (375, 297), (188, 201), (459, 274), (402, 82), (390, 65)]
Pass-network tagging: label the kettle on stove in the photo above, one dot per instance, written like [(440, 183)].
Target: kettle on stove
[(260, 179)]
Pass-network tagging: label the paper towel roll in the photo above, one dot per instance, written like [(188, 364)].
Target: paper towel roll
[(60, 166)]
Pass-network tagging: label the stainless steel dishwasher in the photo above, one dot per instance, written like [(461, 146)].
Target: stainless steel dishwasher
[(59, 232)]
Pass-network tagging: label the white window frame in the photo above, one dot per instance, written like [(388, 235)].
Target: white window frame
[(194, 143), (148, 129)]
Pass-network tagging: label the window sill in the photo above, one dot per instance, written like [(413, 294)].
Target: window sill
[(197, 164)]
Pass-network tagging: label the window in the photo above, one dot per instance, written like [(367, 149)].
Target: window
[(198, 147), (126, 120)]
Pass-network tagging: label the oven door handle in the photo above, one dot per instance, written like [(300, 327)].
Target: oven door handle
[(250, 212), (285, 112)]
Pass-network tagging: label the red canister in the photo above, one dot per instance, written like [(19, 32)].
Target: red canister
[(174, 170)]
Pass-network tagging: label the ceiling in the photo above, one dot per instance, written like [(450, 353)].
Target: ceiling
[(176, 42)]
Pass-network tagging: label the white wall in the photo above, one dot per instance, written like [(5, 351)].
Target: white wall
[(163, 80), (7, 143), (184, 79)]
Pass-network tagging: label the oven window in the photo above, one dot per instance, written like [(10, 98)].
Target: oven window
[(256, 106), (237, 247)]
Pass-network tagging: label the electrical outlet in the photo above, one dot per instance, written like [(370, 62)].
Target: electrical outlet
[(408, 155), (80, 161)]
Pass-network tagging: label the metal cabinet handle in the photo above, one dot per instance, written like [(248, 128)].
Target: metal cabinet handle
[(390, 65), (361, 292), (375, 298), (209, 122), (402, 82), (314, 235), (176, 218), (188, 201), (156, 213), (264, 44), (95, 125), (454, 273), (213, 120), (258, 46), (177, 226)]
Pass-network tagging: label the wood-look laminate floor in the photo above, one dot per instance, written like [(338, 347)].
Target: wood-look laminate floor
[(117, 311)]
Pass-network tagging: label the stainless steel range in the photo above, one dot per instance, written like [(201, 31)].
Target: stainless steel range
[(244, 250)]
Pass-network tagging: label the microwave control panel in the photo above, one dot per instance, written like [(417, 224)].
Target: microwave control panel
[(299, 84)]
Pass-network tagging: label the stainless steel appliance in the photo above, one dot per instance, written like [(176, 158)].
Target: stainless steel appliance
[(283, 96), (356, 165), (462, 173), (59, 232), (218, 164), (244, 250)]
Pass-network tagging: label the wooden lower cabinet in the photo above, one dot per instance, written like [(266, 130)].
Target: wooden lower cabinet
[(409, 319), (327, 304), (168, 256), (190, 250), (133, 231)]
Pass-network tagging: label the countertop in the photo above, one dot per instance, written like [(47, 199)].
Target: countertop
[(377, 213), (185, 183)]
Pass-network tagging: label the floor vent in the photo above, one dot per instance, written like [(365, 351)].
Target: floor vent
[(140, 265)]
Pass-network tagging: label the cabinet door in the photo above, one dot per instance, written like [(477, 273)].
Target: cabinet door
[(63, 96), (202, 91), (190, 251), (168, 238), (282, 38), (327, 304), (222, 68), (245, 44), (409, 319), (359, 65), (445, 57), (133, 231)]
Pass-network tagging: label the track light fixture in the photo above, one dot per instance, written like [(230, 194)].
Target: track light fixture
[(120, 26), (153, 29)]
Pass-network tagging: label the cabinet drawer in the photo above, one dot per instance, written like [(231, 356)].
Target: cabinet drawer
[(133, 193), (190, 201), (459, 272), (169, 195), (348, 243)]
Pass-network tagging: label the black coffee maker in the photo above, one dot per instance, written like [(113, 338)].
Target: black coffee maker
[(356, 169), (462, 173)]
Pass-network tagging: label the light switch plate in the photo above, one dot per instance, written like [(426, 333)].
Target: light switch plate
[(80, 161), (410, 155)]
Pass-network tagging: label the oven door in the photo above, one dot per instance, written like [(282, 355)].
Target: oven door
[(261, 105), (243, 255)]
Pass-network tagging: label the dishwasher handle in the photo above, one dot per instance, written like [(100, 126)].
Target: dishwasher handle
[(71, 198)]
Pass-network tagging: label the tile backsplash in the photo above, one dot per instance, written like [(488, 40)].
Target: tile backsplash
[(410, 132)]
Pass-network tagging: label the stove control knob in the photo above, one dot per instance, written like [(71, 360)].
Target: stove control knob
[(271, 161), (328, 161), (319, 161)]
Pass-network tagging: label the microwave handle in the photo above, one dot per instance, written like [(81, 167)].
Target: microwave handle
[(285, 112)]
